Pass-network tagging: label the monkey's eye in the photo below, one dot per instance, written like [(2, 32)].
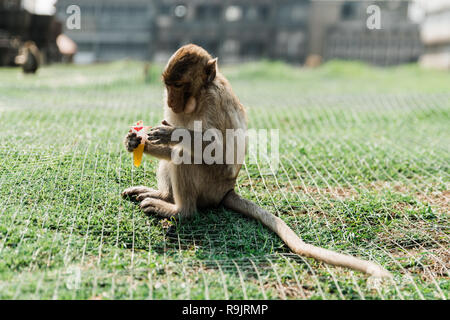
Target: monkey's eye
[(177, 85)]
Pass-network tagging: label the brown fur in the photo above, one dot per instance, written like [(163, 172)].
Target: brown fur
[(184, 188)]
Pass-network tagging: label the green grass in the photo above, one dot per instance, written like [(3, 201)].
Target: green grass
[(364, 170)]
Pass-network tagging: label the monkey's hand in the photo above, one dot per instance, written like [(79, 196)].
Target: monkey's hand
[(132, 141), (162, 135)]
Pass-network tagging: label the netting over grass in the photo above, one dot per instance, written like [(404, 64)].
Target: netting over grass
[(364, 170)]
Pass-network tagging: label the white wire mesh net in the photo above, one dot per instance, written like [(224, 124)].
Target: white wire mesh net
[(361, 173)]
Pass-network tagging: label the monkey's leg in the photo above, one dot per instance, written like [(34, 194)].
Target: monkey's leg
[(164, 182), (164, 191), (183, 193), (160, 207), (166, 209)]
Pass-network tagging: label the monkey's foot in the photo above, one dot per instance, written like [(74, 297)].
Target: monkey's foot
[(134, 192), (158, 207)]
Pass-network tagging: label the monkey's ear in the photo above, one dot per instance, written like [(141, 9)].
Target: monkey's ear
[(210, 70)]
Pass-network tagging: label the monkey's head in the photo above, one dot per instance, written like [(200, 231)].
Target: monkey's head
[(190, 69)]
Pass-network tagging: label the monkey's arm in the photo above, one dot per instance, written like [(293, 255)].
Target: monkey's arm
[(160, 151), (170, 135), (197, 143)]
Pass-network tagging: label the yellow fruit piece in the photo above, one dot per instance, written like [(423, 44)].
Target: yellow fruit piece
[(137, 155)]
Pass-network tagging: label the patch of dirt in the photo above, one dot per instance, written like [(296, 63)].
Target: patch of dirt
[(430, 264), (338, 193), (438, 199), (440, 262), (416, 234), (388, 185), (291, 290), (403, 206)]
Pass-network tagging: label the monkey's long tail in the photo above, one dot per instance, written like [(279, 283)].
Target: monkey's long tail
[(236, 203)]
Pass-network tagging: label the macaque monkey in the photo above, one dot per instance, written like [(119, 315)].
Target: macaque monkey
[(29, 57), (197, 91)]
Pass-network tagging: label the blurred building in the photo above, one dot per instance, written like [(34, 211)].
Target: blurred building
[(397, 41), (112, 29), (237, 30), (435, 34), (233, 29)]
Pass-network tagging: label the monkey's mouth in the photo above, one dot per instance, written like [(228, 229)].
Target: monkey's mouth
[(178, 109)]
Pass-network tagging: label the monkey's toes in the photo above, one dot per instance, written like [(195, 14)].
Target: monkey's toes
[(159, 207), (134, 191), (148, 206), (151, 194)]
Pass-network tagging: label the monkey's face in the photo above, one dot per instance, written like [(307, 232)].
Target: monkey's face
[(189, 70), (178, 94)]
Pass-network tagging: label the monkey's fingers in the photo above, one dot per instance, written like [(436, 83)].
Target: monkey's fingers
[(162, 127), (160, 130), (158, 141), (152, 136), (160, 136)]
